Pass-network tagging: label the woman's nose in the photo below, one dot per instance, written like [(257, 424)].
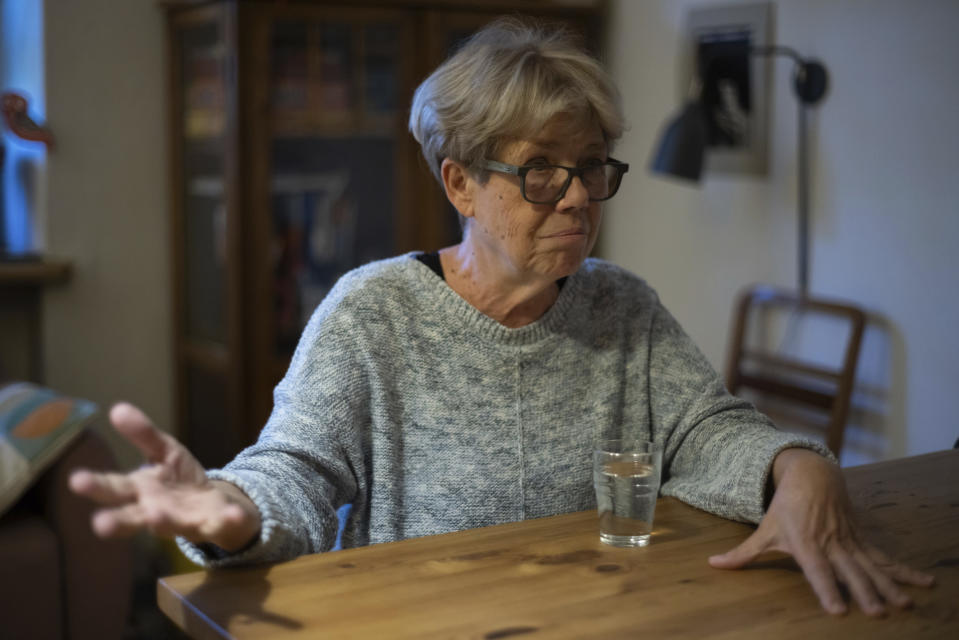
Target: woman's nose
[(576, 196)]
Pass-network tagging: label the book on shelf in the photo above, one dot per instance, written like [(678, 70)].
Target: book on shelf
[(380, 72), (204, 112), (334, 84), (314, 231), (203, 123), (380, 85), (290, 78)]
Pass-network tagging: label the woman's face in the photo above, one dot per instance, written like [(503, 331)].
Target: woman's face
[(536, 241)]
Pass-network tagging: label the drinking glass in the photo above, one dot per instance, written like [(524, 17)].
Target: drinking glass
[(626, 477)]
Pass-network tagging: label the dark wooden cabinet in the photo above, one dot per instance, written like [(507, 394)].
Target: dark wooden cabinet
[(291, 163)]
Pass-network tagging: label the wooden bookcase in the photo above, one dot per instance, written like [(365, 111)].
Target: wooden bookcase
[(291, 164)]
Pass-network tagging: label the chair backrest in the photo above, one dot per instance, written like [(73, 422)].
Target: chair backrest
[(826, 390)]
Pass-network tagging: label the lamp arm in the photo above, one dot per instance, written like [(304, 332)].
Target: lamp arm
[(809, 84), (776, 50), (811, 78)]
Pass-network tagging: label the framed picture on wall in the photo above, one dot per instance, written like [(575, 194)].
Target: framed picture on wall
[(735, 84)]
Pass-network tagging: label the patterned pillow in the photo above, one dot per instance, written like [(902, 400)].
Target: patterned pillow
[(36, 426)]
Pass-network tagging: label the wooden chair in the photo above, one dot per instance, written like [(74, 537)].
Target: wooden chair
[(823, 390)]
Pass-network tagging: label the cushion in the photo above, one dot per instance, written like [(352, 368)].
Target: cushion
[(36, 426)]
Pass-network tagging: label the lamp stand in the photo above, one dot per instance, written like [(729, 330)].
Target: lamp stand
[(802, 186), (809, 84)]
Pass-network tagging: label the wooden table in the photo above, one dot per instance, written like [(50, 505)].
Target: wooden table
[(552, 578)]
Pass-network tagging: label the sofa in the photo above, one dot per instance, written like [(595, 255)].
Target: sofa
[(58, 580)]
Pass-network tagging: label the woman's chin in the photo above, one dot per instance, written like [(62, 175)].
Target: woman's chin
[(563, 265)]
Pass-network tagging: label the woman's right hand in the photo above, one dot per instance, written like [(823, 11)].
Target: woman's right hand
[(169, 496)]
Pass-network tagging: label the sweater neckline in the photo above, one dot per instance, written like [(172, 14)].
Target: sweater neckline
[(474, 321)]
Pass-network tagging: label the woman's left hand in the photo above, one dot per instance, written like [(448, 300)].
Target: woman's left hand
[(811, 518)]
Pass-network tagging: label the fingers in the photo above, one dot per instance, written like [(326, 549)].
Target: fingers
[(118, 523), (105, 488), (125, 521), (898, 571), (856, 578), (868, 574), (136, 427), (195, 517), (819, 573), (743, 554), (884, 583)]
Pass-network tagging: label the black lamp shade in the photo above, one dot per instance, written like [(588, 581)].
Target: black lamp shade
[(682, 145)]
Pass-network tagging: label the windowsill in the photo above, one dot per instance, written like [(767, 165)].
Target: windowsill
[(45, 271)]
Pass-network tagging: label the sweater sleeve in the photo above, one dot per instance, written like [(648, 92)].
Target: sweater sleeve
[(718, 450), (306, 462)]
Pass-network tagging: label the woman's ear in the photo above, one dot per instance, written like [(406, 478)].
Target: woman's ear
[(459, 186)]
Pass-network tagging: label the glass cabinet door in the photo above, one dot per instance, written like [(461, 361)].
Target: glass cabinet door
[(202, 122), (335, 124), (208, 383)]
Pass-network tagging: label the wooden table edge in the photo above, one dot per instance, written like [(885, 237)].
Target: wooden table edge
[(185, 616)]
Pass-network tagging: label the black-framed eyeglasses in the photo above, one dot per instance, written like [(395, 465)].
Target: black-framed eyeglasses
[(547, 183)]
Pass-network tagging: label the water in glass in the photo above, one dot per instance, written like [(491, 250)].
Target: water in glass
[(626, 498)]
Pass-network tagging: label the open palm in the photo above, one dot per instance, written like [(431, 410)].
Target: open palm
[(169, 496)]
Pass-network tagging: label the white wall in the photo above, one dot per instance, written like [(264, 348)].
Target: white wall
[(107, 333), (885, 199)]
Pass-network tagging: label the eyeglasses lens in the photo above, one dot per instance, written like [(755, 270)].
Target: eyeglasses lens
[(546, 185)]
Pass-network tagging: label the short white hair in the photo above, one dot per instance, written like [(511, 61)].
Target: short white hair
[(506, 82)]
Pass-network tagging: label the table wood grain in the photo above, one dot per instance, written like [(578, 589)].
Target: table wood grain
[(552, 578)]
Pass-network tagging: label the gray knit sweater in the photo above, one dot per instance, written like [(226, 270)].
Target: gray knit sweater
[(430, 417)]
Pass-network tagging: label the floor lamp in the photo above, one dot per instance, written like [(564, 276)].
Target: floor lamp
[(683, 142)]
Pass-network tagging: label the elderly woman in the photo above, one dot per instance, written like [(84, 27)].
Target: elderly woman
[(464, 388)]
